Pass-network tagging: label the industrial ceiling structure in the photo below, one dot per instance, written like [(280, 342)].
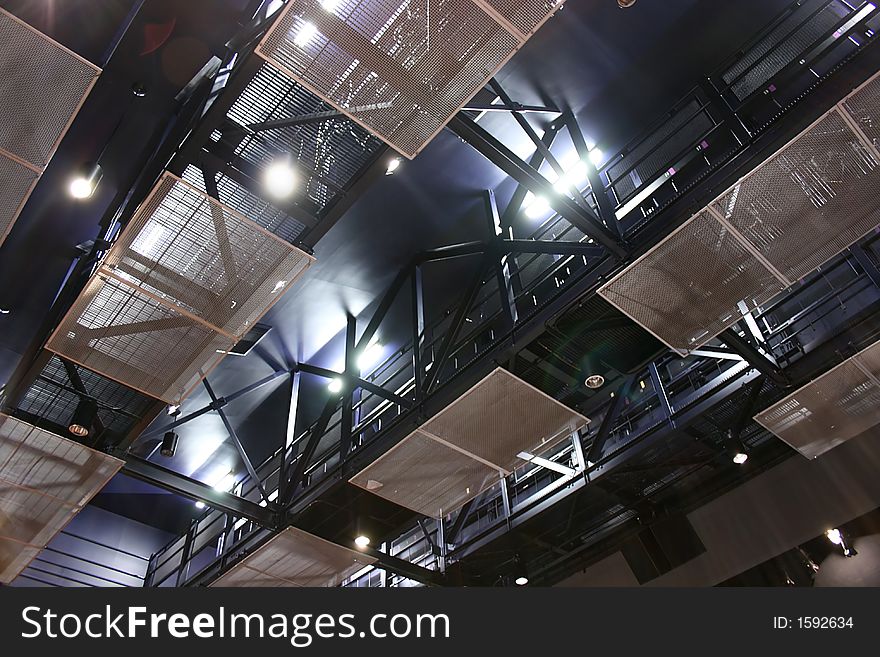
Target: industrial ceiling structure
[(431, 292)]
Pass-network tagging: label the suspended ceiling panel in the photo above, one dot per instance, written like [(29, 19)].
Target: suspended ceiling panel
[(811, 200), (399, 68), (45, 480), (464, 449), (42, 87), (185, 280), (840, 405), (295, 558)]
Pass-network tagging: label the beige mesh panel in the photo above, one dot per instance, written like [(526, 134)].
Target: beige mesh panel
[(464, 449), (686, 290), (864, 108), (295, 558), (526, 16), (810, 201), (185, 280), (17, 181), (424, 475), (45, 480), (42, 86), (400, 68)]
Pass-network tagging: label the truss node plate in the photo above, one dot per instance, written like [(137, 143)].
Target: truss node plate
[(45, 480), (295, 558)]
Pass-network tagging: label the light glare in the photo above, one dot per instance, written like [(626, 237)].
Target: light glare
[(362, 541), (306, 33), (279, 179)]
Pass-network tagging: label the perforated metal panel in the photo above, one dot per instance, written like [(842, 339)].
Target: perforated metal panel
[(812, 199), (840, 405), (687, 289), (464, 449), (400, 68), (295, 558), (45, 480), (186, 279), (17, 181)]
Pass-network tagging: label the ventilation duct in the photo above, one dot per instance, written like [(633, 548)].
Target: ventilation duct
[(814, 198), (183, 283), (45, 480), (463, 450), (839, 405), (400, 68), (42, 87), (295, 558)]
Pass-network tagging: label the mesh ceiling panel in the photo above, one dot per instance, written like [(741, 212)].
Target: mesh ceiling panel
[(17, 180), (295, 558), (840, 405), (400, 68), (185, 280), (525, 16), (135, 339), (826, 183), (502, 416), (42, 86), (687, 289), (423, 474), (464, 449), (44, 481), (812, 199)]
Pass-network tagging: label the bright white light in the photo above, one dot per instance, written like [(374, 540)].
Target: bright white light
[(329, 5), (335, 385), (370, 356), (279, 178), (597, 157), (392, 166), (834, 536), (306, 33), (147, 241), (536, 206), (81, 187), (575, 176), (740, 457), (279, 286), (173, 409), (225, 483), (200, 505), (522, 580), (362, 541)]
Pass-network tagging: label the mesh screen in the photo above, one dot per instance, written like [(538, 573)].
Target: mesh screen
[(686, 290), (42, 85), (295, 558), (526, 16), (424, 475), (864, 108), (401, 69), (838, 406), (125, 335), (824, 185), (44, 481), (502, 416), (16, 183), (198, 255)]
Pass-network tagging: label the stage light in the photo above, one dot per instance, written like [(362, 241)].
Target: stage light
[(740, 457), (169, 444), (536, 207), (370, 356), (522, 581), (279, 178), (335, 385), (393, 165), (83, 418), (834, 536), (362, 541), (597, 157), (595, 381), (200, 505), (86, 180)]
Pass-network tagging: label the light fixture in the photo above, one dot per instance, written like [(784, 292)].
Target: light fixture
[(392, 166), (173, 409), (740, 457), (735, 448), (4, 311), (335, 385), (85, 181), (834, 536), (370, 356), (837, 537), (575, 176), (83, 418), (596, 157), (595, 381), (200, 505), (521, 576), (536, 207), (169, 444), (522, 580), (362, 541), (279, 178), (305, 34)]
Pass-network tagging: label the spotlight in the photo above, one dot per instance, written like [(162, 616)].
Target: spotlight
[(335, 385), (521, 577), (306, 33), (279, 178), (392, 166), (83, 418), (735, 448), (575, 176), (521, 581), (840, 538), (169, 444), (86, 180), (362, 541), (740, 457), (225, 483), (834, 536), (370, 356), (536, 207), (595, 381), (200, 505), (597, 157), (623, 4)]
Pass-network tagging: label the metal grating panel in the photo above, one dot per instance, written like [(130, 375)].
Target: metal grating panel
[(464, 449), (42, 86), (423, 474), (687, 289), (17, 181), (526, 16), (45, 480), (401, 69), (840, 405), (185, 280), (295, 558), (863, 106), (825, 183)]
